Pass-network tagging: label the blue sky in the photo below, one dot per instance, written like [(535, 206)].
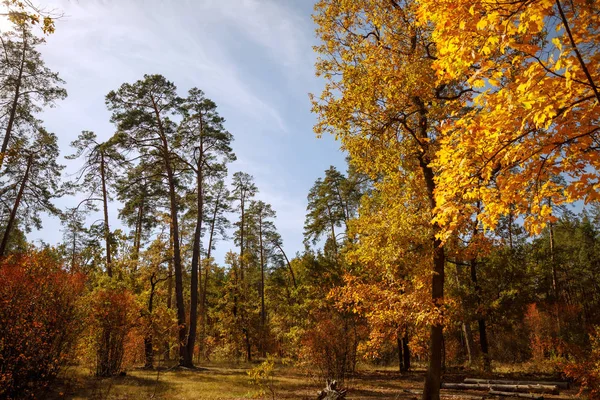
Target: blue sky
[(252, 57)]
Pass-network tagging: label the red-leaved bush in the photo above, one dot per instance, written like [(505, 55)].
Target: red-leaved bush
[(38, 320), (586, 368)]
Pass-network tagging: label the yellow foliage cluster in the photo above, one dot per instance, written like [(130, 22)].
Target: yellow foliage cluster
[(535, 117)]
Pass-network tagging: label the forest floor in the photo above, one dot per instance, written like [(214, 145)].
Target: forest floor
[(231, 382)]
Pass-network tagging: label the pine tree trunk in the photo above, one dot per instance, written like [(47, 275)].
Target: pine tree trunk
[(13, 213), (262, 291), (105, 207), (191, 340), (148, 339), (14, 105), (181, 322)]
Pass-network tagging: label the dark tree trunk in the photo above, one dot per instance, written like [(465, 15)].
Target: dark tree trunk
[(148, 339), (433, 377), (406, 352), (14, 105), (481, 320), (288, 264), (263, 317), (105, 207), (13, 213), (167, 344), (191, 341), (181, 322), (203, 292)]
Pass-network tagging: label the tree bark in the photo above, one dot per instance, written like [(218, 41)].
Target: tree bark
[(287, 261), (481, 320), (105, 207), (181, 322), (433, 377), (148, 339), (15, 103), (13, 213), (191, 339), (262, 289)]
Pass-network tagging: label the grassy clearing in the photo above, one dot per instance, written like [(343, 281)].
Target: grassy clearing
[(231, 382)]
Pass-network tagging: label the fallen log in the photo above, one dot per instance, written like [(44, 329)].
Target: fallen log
[(561, 385), (448, 395), (331, 392), (502, 388), (519, 395)]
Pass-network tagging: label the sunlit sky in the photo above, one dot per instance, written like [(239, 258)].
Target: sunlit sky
[(254, 58)]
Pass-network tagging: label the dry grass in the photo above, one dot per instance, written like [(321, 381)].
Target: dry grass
[(231, 382)]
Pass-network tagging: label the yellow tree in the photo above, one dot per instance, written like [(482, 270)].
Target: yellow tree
[(390, 254), (536, 66), (383, 102)]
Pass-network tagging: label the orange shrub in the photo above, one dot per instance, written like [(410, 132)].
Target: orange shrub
[(38, 320), (586, 368), (112, 315)]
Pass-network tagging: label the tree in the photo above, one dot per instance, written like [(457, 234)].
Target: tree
[(206, 148), (143, 113), (260, 213), (26, 84), (328, 206), (218, 204), (243, 190), (381, 100), (33, 180), (535, 116), (101, 166), (74, 234), (143, 196)]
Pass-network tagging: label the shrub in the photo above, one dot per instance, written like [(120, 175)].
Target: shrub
[(38, 320), (586, 368), (330, 346), (112, 314)]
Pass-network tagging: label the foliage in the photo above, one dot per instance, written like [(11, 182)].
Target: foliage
[(112, 314), (39, 320), (587, 370), (263, 376)]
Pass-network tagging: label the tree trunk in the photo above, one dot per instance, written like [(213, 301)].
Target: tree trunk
[(181, 322), (466, 327), (406, 352), (14, 105), (191, 340), (169, 288), (206, 270), (288, 264), (13, 213), (262, 290), (105, 207), (148, 339), (433, 377), (481, 320)]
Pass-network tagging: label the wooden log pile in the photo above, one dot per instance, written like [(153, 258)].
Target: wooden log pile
[(561, 385), (548, 389), (510, 388)]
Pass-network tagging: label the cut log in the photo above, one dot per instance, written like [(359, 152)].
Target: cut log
[(331, 392), (561, 385), (502, 388), (518, 395), (448, 395)]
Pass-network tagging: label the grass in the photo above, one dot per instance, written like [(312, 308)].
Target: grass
[(231, 382)]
